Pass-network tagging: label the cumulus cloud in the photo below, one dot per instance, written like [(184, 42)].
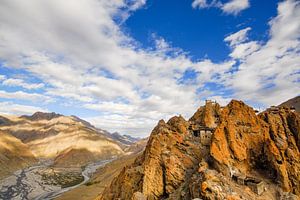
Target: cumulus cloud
[(2, 77), (205, 4), (10, 108), (230, 7), (235, 6), (22, 83), (270, 72), (25, 96), (238, 37)]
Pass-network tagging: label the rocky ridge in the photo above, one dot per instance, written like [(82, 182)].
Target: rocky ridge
[(248, 156), (294, 102)]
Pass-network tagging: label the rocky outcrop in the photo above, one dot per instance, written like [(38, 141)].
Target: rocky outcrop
[(170, 157), (267, 142), (208, 115), (176, 165), (239, 139), (281, 149)]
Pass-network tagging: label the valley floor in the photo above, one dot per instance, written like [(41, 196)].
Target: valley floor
[(41, 181), (100, 179)]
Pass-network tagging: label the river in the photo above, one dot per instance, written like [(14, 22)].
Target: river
[(26, 184)]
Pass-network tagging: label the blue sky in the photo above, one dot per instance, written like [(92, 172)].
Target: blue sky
[(199, 32), (125, 64)]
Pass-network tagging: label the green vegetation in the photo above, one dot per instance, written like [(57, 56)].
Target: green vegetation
[(63, 179)]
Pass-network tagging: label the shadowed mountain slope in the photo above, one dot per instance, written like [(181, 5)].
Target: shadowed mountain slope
[(14, 155)]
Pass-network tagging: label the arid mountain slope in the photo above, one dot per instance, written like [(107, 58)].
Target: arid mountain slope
[(294, 102), (104, 175), (123, 140), (67, 139), (14, 155), (220, 153)]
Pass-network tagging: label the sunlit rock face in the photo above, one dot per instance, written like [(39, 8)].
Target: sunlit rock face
[(282, 147), (262, 148), (266, 142)]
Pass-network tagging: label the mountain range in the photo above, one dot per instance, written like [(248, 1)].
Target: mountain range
[(67, 140), (229, 152)]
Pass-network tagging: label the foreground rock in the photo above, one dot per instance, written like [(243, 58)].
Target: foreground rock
[(220, 153)]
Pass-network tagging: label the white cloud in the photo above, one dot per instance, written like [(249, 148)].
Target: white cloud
[(123, 124), (238, 37), (25, 96), (269, 73), (22, 83), (245, 49), (235, 6), (240, 47), (231, 7), (200, 4), (10, 108), (2, 77)]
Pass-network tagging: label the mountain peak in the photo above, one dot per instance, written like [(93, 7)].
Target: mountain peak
[(42, 116)]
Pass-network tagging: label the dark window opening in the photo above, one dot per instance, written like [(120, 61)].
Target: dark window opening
[(196, 133)]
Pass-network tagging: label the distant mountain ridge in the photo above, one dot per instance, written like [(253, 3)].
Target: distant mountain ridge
[(69, 140), (123, 139), (41, 116), (294, 102)]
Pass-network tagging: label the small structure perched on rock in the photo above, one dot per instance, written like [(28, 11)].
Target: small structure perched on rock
[(292, 108), (210, 101), (239, 178), (274, 109), (204, 133), (254, 184)]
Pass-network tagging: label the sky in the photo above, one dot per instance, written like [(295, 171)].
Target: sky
[(125, 64)]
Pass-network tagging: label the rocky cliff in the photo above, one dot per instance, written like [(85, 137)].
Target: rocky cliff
[(248, 156)]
